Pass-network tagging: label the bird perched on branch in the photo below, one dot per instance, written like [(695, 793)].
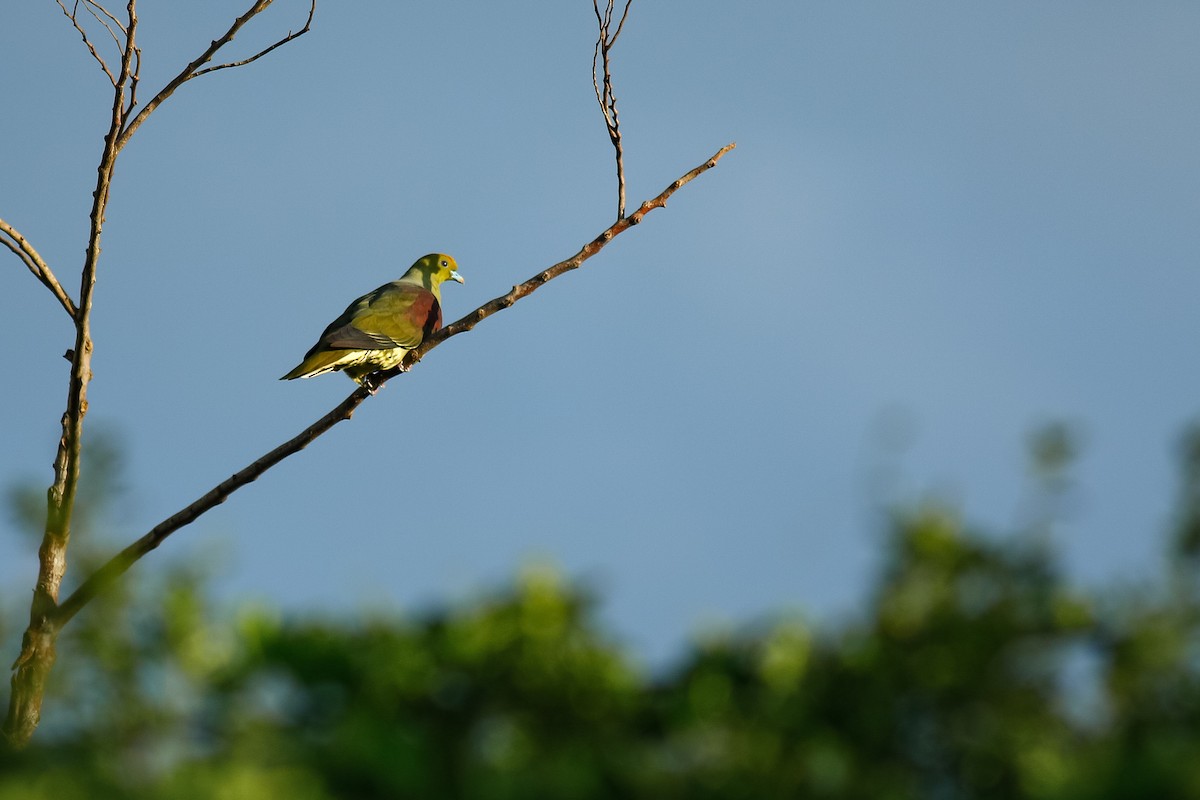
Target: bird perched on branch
[(379, 328)]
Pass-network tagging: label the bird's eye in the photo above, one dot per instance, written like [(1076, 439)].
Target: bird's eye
[(445, 263)]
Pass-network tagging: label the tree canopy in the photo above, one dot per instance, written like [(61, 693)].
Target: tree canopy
[(975, 669)]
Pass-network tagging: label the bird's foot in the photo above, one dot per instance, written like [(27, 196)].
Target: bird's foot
[(373, 382)]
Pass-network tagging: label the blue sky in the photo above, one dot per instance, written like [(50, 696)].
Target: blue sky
[(956, 220)]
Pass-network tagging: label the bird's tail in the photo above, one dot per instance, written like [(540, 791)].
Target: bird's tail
[(316, 364)]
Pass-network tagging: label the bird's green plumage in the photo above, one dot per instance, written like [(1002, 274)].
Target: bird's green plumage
[(379, 328)]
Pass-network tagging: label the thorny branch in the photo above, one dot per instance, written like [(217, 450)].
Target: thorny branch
[(45, 616), (605, 96)]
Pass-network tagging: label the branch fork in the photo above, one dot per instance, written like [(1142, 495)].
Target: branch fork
[(602, 82)]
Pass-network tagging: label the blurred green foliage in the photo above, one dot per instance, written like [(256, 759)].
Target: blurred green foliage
[(974, 671)]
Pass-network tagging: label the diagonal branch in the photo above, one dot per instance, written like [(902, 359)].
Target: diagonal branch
[(196, 67), (521, 290), (118, 564), (105, 18), (122, 561), (13, 240)]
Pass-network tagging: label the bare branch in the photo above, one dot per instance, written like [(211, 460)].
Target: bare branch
[(605, 96), (102, 15), (135, 77), (196, 67), (121, 562), (290, 36), (521, 290), (71, 15), (13, 240), (37, 646), (94, 6), (45, 617), (61, 497), (621, 24)]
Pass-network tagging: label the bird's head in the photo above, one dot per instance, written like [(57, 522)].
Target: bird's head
[(432, 270)]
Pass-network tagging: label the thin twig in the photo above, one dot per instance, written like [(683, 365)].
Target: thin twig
[(605, 97), (312, 9), (94, 6), (103, 16), (121, 562), (135, 78), (112, 25), (88, 42), (13, 240), (195, 68), (521, 290)]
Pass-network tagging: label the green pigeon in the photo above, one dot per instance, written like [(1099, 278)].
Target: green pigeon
[(377, 329)]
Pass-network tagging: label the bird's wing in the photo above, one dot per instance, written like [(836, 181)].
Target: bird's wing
[(394, 315)]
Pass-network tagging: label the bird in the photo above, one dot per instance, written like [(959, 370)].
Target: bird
[(377, 330)]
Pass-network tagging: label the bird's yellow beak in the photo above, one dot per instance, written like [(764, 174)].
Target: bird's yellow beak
[(454, 276)]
